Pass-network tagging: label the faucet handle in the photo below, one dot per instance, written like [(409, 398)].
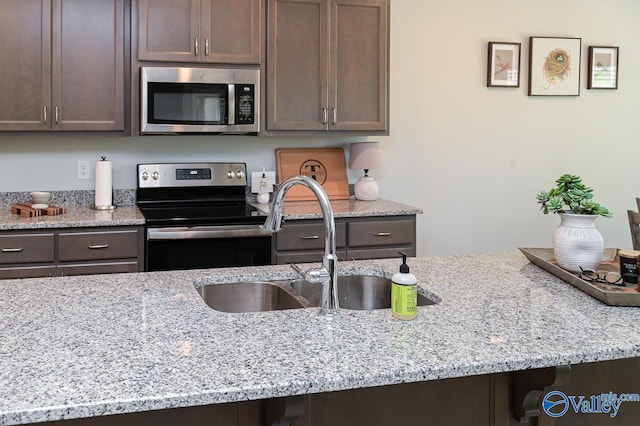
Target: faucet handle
[(317, 275)]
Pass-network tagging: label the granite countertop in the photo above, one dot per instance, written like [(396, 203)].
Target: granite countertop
[(343, 208), (85, 216), (76, 216), (96, 345)]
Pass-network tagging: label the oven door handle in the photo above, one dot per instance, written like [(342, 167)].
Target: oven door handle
[(202, 232)]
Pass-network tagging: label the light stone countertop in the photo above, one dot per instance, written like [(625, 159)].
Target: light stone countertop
[(96, 345), (85, 216), (76, 216), (343, 208)]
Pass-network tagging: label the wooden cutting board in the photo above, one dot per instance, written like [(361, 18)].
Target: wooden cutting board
[(25, 210), (326, 165)]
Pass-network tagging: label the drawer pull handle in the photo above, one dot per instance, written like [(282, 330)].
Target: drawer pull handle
[(309, 237), (382, 234), (98, 246), (11, 250)]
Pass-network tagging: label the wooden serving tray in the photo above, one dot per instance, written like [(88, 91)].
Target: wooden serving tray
[(326, 165), (25, 210), (611, 294)]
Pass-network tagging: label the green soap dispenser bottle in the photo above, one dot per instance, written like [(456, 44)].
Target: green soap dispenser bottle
[(404, 292)]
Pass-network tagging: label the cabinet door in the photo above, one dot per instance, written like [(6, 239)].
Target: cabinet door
[(97, 268), (88, 65), (297, 65), (168, 30), (359, 56), (25, 51), (27, 272), (231, 30)]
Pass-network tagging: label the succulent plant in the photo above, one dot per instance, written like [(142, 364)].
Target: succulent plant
[(572, 193)]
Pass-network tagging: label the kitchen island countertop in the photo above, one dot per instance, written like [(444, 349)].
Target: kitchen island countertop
[(95, 345)]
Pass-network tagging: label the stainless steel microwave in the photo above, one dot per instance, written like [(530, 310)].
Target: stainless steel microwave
[(199, 100)]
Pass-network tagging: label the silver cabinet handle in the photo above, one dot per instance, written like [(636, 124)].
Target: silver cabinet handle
[(195, 46), (325, 116), (206, 47), (309, 237), (12, 250), (382, 234), (334, 115), (57, 114), (45, 115), (98, 246)]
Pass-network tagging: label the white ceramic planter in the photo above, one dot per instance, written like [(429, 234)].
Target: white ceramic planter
[(577, 242)]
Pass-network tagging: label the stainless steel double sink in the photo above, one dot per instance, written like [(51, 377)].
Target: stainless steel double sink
[(356, 292)]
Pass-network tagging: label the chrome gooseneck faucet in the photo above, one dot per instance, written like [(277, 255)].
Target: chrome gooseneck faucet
[(327, 275)]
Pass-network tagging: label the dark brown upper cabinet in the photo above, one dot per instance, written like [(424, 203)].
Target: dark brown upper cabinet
[(210, 31), (62, 65), (327, 65)]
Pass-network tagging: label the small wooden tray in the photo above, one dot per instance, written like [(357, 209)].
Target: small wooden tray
[(25, 210), (611, 294), (326, 165)]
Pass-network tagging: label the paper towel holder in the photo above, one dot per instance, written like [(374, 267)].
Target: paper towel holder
[(104, 208)]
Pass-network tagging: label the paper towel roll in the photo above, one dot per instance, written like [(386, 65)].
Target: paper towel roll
[(104, 186)]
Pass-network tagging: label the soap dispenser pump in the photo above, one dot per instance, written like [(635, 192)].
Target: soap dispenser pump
[(404, 292)]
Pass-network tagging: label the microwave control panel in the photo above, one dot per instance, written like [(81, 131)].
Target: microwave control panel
[(245, 103)]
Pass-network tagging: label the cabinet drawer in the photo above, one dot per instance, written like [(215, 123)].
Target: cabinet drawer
[(381, 233), (26, 248), (97, 245), (27, 272), (98, 268), (306, 236)]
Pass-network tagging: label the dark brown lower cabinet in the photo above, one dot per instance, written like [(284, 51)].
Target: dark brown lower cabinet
[(302, 241), (491, 399), (77, 251)]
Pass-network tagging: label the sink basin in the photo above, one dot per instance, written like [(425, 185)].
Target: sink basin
[(248, 297), (357, 292)]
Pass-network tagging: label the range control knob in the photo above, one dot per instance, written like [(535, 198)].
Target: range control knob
[(155, 175), (145, 175), (231, 174), (239, 174)]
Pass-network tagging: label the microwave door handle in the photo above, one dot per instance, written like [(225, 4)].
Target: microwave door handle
[(231, 112)]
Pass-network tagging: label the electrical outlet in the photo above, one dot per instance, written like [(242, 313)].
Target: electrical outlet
[(258, 182), (83, 170)]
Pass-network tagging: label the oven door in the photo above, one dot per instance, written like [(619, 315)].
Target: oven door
[(205, 247)]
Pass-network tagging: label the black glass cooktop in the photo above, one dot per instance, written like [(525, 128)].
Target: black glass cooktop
[(201, 215)]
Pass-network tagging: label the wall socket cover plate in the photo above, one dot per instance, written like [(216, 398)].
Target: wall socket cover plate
[(83, 169), (256, 177)]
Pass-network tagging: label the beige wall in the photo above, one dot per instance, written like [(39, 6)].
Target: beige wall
[(472, 157)]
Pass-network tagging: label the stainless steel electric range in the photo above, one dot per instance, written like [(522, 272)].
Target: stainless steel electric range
[(197, 217)]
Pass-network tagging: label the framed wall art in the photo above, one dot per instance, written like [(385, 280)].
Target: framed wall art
[(503, 64), (554, 66), (603, 68)]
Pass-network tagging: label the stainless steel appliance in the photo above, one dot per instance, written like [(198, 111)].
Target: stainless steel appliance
[(197, 217), (199, 100)]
